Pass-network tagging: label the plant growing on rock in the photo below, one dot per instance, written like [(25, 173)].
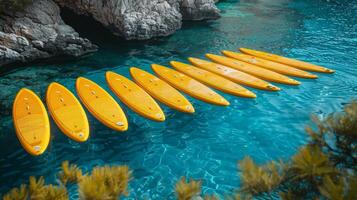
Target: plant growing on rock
[(337, 135), (311, 164), (70, 173), (105, 183), (17, 193), (259, 179), (340, 189), (37, 190), (187, 190)]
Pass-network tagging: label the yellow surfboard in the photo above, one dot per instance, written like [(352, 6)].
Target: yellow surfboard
[(134, 97), (161, 91), (252, 70), (101, 105), (67, 112), (212, 80), (270, 65), (31, 122), (233, 74), (287, 61), (189, 86)]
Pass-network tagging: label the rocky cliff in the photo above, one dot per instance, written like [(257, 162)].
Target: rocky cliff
[(38, 32), (143, 19)]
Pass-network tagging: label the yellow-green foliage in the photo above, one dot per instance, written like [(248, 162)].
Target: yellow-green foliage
[(17, 193), (344, 123), (337, 190), (242, 197), (70, 173), (105, 183), (309, 163), (337, 134), (39, 191), (257, 179), (339, 123), (186, 190)]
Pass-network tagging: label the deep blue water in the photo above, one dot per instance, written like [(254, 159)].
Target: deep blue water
[(208, 144)]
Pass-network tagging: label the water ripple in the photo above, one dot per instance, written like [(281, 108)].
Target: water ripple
[(207, 144)]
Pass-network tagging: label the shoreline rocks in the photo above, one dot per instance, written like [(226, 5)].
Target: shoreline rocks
[(199, 9), (37, 33), (143, 19)]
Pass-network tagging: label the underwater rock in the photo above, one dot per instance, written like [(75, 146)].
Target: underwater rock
[(38, 32), (143, 19)]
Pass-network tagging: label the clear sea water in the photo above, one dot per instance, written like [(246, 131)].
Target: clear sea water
[(208, 144)]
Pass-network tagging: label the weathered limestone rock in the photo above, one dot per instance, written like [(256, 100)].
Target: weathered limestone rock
[(131, 19), (199, 9), (38, 32), (143, 19)]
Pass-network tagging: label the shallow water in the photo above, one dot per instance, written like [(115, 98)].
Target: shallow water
[(209, 143)]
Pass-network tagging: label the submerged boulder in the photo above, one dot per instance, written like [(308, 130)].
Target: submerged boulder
[(38, 32)]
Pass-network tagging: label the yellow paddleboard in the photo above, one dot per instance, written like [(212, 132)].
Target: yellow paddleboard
[(189, 86), (101, 105), (67, 112), (287, 61), (161, 91), (233, 74), (212, 80), (31, 122), (252, 70), (270, 65), (134, 97)]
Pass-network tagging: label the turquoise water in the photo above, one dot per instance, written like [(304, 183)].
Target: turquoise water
[(209, 143)]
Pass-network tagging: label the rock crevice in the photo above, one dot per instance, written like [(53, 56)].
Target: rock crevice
[(38, 32)]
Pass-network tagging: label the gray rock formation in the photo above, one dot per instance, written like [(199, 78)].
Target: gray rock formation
[(38, 32), (199, 9), (143, 19), (131, 19)]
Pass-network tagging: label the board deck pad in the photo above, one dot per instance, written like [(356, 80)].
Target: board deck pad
[(67, 112), (31, 122), (161, 90), (189, 85), (134, 97), (101, 104)]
